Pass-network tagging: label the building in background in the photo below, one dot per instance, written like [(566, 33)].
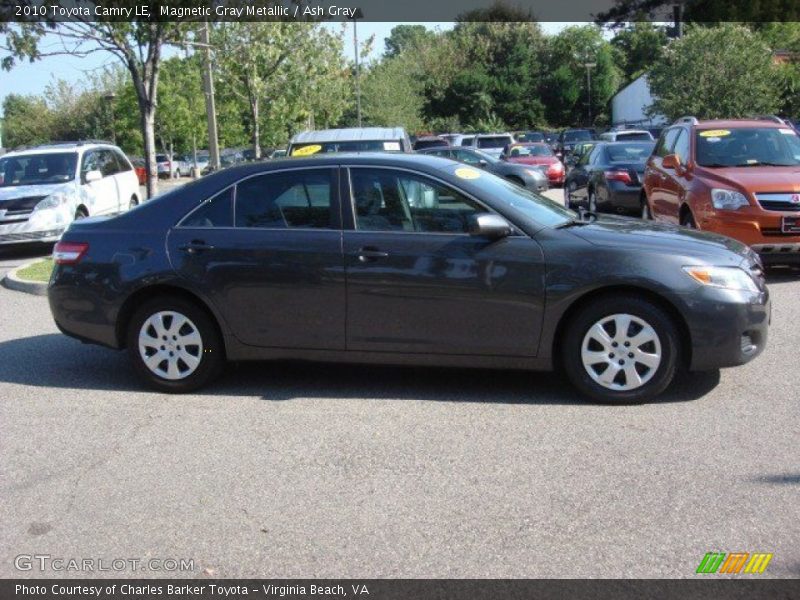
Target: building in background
[(629, 106)]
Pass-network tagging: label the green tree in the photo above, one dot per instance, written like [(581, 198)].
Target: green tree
[(715, 72), (639, 46), (566, 90), (27, 120), (391, 95), (403, 38), (181, 122)]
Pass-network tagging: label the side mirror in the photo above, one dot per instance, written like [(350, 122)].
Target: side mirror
[(671, 161), (91, 176), (490, 226)]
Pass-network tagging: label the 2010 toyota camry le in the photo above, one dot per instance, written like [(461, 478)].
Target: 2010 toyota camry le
[(404, 259)]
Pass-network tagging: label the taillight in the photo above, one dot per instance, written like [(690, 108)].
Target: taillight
[(69, 253), (622, 176), (556, 167)]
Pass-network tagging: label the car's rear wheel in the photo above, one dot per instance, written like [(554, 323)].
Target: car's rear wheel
[(81, 213), (621, 349), (592, 201), (134, 202), (646, 214), (687, 220), (569, 191), (174, 345)]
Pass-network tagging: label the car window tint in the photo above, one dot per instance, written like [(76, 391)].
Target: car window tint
[(216, 212), (106, 163), (681, 147), (291, 199), (666, 142), (90, 162), (467, 157), (387, 200)]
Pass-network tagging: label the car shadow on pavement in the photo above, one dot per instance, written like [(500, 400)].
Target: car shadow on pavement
[(22, 251), (783, 274), (57, 361)]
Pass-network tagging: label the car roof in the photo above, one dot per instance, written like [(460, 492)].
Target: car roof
[(352, 134), (63, 148), (501, 134), (722, 123)]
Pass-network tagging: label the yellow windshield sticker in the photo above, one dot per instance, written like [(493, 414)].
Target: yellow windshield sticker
[(714, 133), (467, 173), (306, 150)]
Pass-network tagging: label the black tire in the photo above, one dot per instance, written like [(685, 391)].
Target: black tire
[(687, 220), (81, 213), (646, 214), (597, 310), (133, 203), (591, 201), (569, 189), (212, 358)]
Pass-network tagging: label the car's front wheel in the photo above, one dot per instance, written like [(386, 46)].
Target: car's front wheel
[(621, 349), (174, 345)]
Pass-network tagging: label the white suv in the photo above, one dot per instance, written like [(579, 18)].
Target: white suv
[(43, 189)]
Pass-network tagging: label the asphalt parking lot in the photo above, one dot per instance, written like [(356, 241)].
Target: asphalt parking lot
[(292, 470)]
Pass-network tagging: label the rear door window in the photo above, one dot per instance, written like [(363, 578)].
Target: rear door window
[(286, 200), (666, 142)]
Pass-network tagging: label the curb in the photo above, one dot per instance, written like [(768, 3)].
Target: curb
[(12, 282)]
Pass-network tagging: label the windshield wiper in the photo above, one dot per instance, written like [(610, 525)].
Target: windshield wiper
[(571, 223), (584, 218)]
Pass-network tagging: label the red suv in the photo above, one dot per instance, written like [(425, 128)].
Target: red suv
[(740, 178)]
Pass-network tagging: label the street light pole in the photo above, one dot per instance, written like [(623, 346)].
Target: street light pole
[(589, 66)]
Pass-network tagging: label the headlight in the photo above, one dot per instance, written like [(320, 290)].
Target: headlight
[(728, 199), (729, 278), (52, 201)]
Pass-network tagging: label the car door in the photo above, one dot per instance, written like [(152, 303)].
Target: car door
[(677, 184), (579, 176), (127, 182), (267, 252), (102, 195), (659, 181), (418, 282)]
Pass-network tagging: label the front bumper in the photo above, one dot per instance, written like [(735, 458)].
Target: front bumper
[(44, 226), (727, 328), (759, 229)]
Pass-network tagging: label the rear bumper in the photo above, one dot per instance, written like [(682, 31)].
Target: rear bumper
[(727, 328)]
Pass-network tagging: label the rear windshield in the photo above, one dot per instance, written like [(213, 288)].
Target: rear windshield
[(357, 146), (629, 153), (37, 169), (541, 150), (467, 141), (531, 136), (420, 144), (747, 147), (634, 136), (578, 135), (498, 141)]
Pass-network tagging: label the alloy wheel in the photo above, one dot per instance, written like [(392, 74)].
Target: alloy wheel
[(621, 352), (170, 345)]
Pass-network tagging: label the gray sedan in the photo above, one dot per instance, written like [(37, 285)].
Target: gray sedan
[(530, 177)]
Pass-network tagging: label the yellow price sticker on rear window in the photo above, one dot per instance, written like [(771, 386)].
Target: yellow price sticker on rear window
[(715, 133), (306, 150), (467, 173)]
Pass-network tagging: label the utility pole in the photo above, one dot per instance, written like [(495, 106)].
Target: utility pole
[(589, 66), (358, 15), (211, 109)]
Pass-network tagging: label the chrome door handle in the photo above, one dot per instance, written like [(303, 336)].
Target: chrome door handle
[(195, 246), (369, 253)]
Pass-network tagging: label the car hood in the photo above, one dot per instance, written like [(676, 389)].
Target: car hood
[(756, 179), (25, 191), (533, 160), (641, 235)]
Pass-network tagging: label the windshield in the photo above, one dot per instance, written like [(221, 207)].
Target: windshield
[(531, 136), (628, 153), (634, 136), (747, 147), (537, 150), (577, 135), (498, 141), (541, 210), (38, 169), (356, 146)]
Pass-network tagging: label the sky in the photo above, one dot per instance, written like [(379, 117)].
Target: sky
[(33, 78)]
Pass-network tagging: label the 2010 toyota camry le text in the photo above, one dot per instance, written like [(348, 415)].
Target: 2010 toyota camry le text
[(404, 259)]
